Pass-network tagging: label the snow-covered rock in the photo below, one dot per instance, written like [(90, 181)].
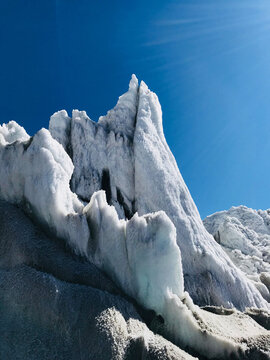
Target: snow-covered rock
[(244, 234)]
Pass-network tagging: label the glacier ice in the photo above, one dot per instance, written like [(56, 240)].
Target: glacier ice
[(37, 172), (115, 194), (244, 234), (159, 185), (144, 247), (139, 174)]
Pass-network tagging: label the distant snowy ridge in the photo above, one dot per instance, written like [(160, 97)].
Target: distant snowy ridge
[(141, 250), (244, 234)]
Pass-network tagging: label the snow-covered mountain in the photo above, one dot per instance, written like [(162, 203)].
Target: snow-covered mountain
[(112, 192)]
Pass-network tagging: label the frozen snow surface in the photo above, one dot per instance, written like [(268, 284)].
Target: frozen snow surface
[(244, 234), (113, 192)]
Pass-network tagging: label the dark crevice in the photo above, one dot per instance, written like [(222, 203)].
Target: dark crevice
[(133, 205), (27, 143), (219, 310), (106, 185), (83, 199), (137, 108), (120, 199)]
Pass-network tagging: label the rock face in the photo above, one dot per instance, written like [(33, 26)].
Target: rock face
[(112, 193), (244, 235)]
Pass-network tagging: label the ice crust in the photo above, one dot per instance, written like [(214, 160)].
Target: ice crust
[(244, 234), (135, 230)]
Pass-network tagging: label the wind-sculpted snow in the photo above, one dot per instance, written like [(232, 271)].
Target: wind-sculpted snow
[(137, 228), (140, 174), (245, 236)]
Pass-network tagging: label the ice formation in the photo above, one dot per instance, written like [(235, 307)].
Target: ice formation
[(36, 174), (113, 191), (244, 234), (139, 173)]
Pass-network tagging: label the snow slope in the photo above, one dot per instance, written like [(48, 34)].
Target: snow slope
[(244, 234)]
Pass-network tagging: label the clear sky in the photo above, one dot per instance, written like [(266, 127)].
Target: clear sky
[(208, 61)]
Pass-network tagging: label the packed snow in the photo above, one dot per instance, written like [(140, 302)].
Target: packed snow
[(115, 194), (244, 234)]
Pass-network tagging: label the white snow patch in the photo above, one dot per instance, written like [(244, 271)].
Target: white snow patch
[(12, 132)]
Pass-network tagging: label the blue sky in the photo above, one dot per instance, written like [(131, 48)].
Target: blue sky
[(208, 61)]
